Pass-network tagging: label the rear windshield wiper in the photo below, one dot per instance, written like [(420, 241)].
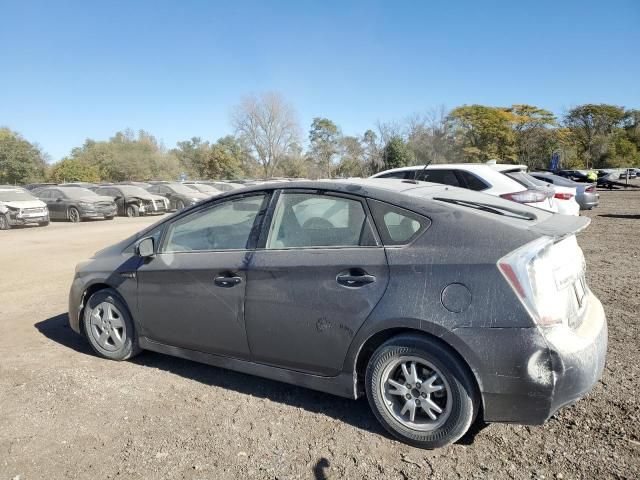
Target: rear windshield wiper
[(488, 207)]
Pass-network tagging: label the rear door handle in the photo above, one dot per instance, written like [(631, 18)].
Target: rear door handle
[(349, 280), (227, 282)]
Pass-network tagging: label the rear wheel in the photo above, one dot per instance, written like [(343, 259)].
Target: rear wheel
[(133, 211), (74, 215), (4, 222), (420, 391), (109, 326)]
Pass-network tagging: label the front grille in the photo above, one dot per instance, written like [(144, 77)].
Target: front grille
[(30, 211)]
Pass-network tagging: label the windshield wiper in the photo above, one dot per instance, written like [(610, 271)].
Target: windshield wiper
[(488, 207)]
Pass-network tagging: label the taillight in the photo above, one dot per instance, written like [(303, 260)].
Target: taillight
[(563, 196), (590, 189), (548, 278), (526, 196)]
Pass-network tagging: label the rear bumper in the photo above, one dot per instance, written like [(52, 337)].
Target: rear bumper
[(526, 375)]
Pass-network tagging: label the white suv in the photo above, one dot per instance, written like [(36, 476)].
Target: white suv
[(499, 179)]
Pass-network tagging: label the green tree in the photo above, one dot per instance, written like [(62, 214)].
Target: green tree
[(20, 161), (483, 133), (593, 127), (129, 156), (192, 155), (397, 154), (324, 138), (223, 160), (74, 170), (535, 137)]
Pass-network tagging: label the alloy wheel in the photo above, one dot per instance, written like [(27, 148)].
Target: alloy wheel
[(107, 326), (415, 393), (74, 215)]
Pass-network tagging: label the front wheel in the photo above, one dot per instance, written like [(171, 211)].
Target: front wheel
[(133, 211), (74, 215), (109, 327), (179, 205), (4, 222), (420, 391)]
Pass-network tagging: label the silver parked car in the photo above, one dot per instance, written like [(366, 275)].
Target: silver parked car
[(587, 195)]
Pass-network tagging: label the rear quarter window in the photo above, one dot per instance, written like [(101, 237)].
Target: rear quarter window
[(396, 225)]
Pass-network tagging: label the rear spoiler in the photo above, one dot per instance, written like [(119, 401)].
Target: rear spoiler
[(558, 226)]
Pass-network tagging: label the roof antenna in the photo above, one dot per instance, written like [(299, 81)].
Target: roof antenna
[(415, 172)]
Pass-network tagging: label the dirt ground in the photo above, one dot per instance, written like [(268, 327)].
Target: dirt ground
[(65, 413)]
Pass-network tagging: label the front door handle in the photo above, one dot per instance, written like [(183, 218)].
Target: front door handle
[(227, 282), (349, 280)]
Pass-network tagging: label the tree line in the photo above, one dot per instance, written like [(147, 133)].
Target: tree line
[(267, 141)]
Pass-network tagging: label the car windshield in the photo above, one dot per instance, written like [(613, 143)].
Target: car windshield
[(525, 179), (179, 188), (133, 191), (203, 188), (14, 195), (77, 192)]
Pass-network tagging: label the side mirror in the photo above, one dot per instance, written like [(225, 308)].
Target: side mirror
[(146, 247), (59, 199), (116, 198)]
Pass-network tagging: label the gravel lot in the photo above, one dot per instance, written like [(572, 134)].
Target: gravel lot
[(65, 413)]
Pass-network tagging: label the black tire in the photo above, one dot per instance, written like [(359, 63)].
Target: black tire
[(4, 222), (73, 214), (132, 210), (129, 347), (460, 390), (44, 224), (179, 205)]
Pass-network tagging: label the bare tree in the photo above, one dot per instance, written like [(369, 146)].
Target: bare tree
[(268, 125)]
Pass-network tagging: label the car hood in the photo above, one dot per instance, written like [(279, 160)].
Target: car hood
[(25, 204), (198, 195)]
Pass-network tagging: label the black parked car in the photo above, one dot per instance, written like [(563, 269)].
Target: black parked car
[(133, 201), (76, 204), (179, 196), (437, 303)]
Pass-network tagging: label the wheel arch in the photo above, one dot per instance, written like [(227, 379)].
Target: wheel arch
[(91, 290), (373, 341)]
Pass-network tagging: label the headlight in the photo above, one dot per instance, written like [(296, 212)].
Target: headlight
[(85, 204), (194, 200)]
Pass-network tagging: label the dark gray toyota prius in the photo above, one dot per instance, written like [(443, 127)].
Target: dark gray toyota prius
[(439, 304)]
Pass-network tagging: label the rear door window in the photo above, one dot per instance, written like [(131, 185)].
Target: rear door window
[(472, 182), (316, 220), (403, 174), (442, 176)]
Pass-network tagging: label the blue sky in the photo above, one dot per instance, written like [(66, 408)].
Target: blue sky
[(76, 70)]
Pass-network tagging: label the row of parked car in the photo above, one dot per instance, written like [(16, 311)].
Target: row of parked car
[(565, 191), (78, 201)]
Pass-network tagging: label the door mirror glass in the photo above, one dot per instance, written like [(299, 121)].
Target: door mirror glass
[(146, 247), (59, 199)]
